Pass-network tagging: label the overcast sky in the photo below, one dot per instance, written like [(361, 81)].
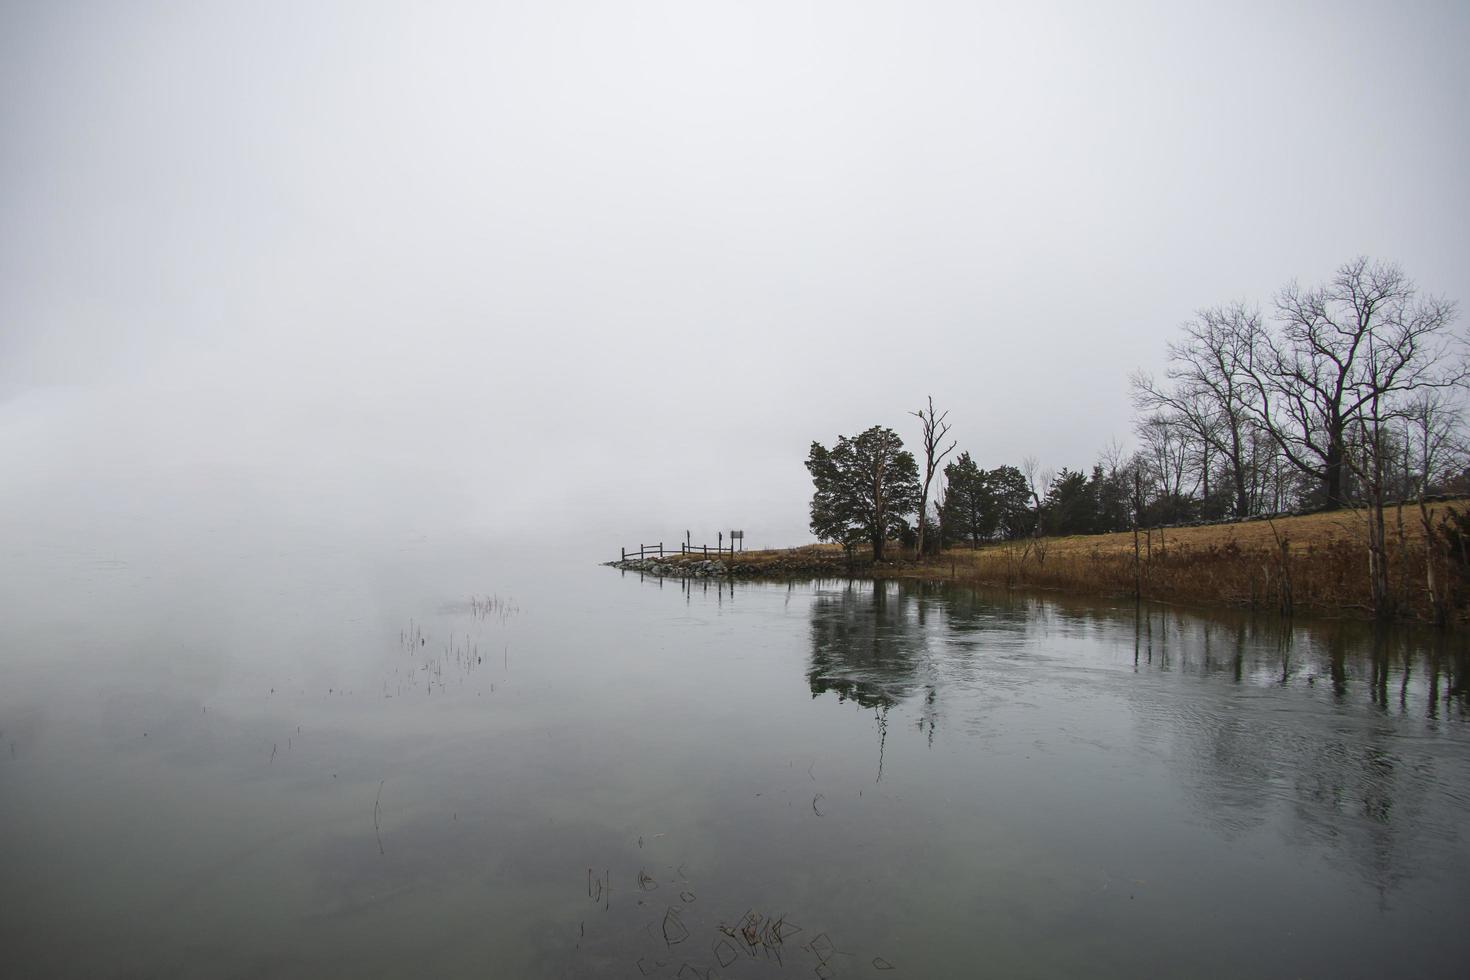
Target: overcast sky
[(544, 267)]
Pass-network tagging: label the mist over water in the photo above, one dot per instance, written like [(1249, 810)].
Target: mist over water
[(340, 342), (328, 754)]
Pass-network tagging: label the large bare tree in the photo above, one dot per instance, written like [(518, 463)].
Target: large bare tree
[(1210, 392), (1361, 345), (935, 429)]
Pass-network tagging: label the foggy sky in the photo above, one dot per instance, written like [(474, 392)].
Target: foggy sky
[(605, 269)]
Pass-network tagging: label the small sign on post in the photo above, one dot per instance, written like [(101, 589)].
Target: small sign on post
[(737, 536)]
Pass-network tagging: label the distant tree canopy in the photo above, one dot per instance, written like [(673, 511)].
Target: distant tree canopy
[(1307, 408), (865, 487), (1012, 496), (1071, 504), (1351, 395), (984, 504), (1079, 503), (968, 509)]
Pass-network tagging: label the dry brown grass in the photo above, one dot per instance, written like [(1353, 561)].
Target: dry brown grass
[(1325, 569)]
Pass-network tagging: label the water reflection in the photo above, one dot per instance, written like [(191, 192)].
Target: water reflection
[(868, 642), (1068, 787), (1346, 737)]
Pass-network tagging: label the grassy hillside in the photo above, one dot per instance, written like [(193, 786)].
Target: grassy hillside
[(1322, 568)]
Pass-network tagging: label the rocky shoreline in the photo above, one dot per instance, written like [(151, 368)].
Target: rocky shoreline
[(671, 568), (781, 565)]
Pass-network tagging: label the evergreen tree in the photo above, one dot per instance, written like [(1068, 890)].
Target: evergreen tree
[(1012, 501), (969, 507), (865, 486)]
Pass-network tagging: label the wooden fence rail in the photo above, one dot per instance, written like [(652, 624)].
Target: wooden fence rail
[(658, 550)]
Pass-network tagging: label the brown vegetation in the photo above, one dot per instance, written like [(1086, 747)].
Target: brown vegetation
[(1314, 563)]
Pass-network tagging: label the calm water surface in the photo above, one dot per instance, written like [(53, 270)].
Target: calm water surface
[(442, 761)]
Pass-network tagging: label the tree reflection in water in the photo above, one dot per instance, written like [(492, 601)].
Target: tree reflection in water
[(1328, 730), (867, 642)]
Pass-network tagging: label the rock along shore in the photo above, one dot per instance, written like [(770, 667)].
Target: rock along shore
[(787, 564), (672, 568)]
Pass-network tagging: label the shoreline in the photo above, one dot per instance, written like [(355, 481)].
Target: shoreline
[(1315, 564)]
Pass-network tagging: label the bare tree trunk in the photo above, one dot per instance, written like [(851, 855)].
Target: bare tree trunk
[(1237, 475), (935, 429), (1137, 517), (1205, 472), (1332, 487), (1372, 472), (1137, 569), (1288, 601), (1377, 566), (1438, 606)]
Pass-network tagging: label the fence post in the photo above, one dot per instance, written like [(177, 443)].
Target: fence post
[(660, 549), (624, 552)]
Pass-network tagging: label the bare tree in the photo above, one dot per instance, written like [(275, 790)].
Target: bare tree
[(1382, 398), (1036, 477), (935, 429), (1210, 391), (1434, 446), (1346, 354), (1030, 467), (1166, 450), (1272, 476), (1113, 458), (1363, 455)]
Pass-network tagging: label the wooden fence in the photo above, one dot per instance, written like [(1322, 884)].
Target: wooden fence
[(659, 551)]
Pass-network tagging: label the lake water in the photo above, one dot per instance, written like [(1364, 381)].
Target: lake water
[(436, 760)]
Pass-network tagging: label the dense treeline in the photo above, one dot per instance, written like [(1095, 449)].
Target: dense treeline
[(1347, 395)]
